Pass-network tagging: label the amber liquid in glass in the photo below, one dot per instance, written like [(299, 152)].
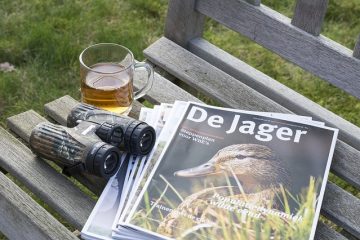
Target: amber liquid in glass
[(112, 91)]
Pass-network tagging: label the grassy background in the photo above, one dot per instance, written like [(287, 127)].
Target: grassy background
[(43, 39)]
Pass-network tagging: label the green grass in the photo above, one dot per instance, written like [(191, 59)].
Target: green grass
[(262, 221), (43, 39)]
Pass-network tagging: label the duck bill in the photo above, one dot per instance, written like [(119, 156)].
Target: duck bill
[(202, 170)]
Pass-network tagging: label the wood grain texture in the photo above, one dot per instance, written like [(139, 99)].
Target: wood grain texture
[(232, 93), (309, 15), (254, 2), (342, 208), (135, 110), (37, 175), (60, 108), (183, 22), (23, 123), (348, 235), (318, 55), (206, 78), (357, 48), (163, 91), (273, 89), (324, 232), (22, 218), (346, 163)]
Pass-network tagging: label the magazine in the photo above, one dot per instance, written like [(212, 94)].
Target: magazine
[(103, 215), (230, 174), (176, 113), (135, 174), (161, 116), (108, 207)]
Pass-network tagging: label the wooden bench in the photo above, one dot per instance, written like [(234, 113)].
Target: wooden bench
[(198, 65)]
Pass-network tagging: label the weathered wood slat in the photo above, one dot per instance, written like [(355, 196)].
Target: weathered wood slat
[(231, 93), (346, 163), (318, 55), (183, 22), (273, 89), (342, 208), (254, 2), (357, 48), (60, 108), (164, 91), (324, 232), (205, 77), (22, 218), (23, 123), (53, 188), (348, 235), (309, 15)]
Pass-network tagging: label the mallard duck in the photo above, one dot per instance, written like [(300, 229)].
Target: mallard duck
[(258, 170)]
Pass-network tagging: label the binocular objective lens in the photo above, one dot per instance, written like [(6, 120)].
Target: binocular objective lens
[(146, 141), (103, 160), (111, 162)]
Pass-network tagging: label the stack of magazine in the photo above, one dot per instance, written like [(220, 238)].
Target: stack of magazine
[(218, 173)]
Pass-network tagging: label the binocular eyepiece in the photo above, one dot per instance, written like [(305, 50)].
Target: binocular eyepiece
[(93, 140), (128, 134)]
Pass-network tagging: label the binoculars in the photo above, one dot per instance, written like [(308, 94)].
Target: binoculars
[(93, 140)]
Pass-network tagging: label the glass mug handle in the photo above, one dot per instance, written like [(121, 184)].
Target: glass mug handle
[(150, 78)]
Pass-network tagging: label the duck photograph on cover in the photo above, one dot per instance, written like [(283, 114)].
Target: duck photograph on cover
[(228, 174)]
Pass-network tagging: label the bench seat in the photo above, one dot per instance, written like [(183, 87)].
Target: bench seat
[(339, 206), (74, 206), (62, 196)]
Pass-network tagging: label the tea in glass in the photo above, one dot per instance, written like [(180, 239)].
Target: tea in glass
[(107, 72)]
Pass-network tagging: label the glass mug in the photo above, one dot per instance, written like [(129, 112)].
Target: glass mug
[(107, 73)]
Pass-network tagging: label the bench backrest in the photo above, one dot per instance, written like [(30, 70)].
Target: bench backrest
[(297, 40), (195, 62)]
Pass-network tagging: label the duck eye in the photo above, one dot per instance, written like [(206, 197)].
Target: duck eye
[(240, 156), (207, 165)]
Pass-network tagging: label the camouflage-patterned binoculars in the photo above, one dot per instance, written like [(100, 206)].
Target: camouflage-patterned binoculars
[(92, 141)]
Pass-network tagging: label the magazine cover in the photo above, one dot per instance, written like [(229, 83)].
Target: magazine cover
[(98, 226), (109, 206), (172, 119), (233, 175), (157, 118)]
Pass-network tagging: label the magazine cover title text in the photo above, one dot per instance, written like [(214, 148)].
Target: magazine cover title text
[(263, 132)]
